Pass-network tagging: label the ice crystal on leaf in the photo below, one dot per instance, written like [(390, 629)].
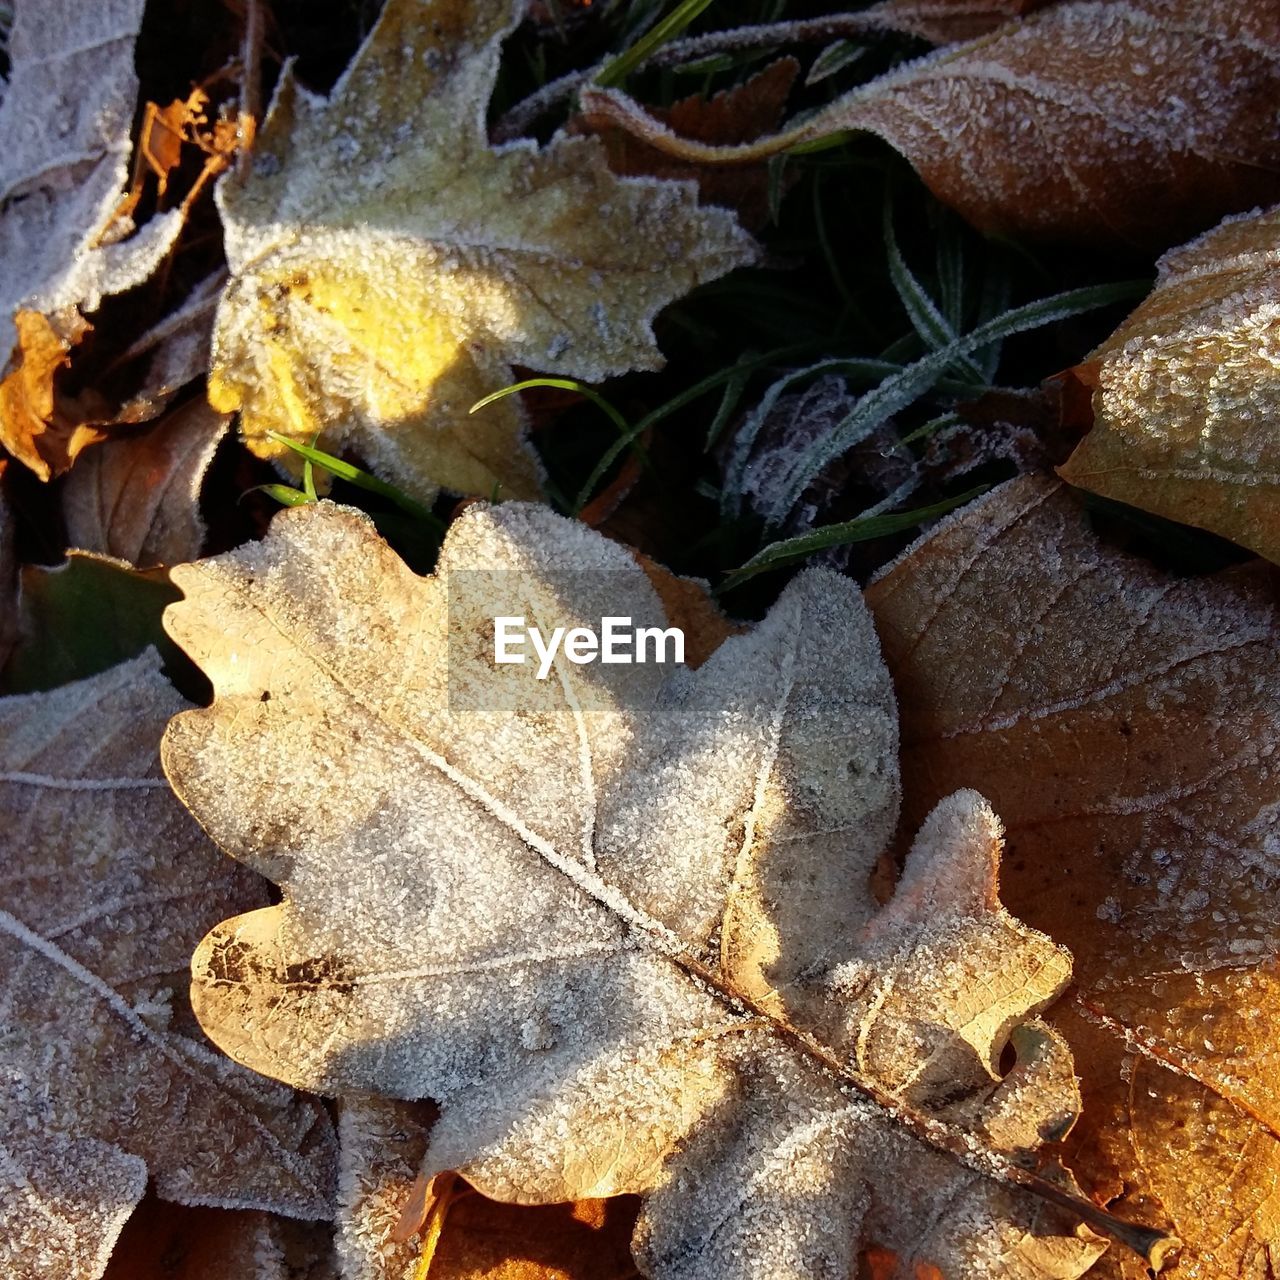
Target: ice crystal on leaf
[(103, 1079), (389, 265), (1187, 391), (1124, 723), (627, 943)]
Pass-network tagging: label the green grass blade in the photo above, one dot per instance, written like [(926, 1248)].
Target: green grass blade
[(900, 389), (861, 529), (284, 494), (362, 480), (615, 72), (926, 319)]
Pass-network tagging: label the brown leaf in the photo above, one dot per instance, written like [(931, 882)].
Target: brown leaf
[(384, 1144), (946, 21), (665, 973), (1136, 121), (64, 134), (31, 427), (137, 497), (1125, 723), (164, 1241), (740, 114), (108, 887), (1186, 392)]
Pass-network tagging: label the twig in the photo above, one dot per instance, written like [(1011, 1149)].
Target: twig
[(250, 83)]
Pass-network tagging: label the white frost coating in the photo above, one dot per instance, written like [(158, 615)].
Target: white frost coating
[(64, 152), (465, 259), (1186, 397), (1126, 724), (108, 887), (583, 924), (1121, 118)]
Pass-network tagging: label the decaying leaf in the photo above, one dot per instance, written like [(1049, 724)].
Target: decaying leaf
[(945, 21), (1130, 120), (138, 497), (389, 265), (81, 617), (108, 885), (625, 936), (1125, 724), (1186, 393), (163, 1241), (739, 114), (64, 141)]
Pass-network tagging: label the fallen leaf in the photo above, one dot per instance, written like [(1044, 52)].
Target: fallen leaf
[(164, 1241), (81, 617), (1124, 722), (384, 1143), (137, 497), (739, 114), (624, 938), (32, 426), (65, 121), (108, 885), (947, 21), (389, 265), (1137, 121), (1185, 392)]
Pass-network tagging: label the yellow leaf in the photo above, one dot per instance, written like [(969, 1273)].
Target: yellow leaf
[(1186, 393), (389, 265)]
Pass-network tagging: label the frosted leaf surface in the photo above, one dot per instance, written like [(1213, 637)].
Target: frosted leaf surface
[(1187, 390), (65, 120), (138, 498), (1137, 121), (944, 21), (108, 886), (1124, 724), (627, 942), (389, 265)]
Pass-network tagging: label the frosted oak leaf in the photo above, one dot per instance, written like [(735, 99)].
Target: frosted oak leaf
[(104, 1079), (1125, 723), (1186, 391), (389, 265), (625, 941)]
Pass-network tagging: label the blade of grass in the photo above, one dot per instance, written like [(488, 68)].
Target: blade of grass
[(909, 384), (589, 393), (284, 494), (362, 480), (676, 403), (615, 72), (926, 319), (777, 555)]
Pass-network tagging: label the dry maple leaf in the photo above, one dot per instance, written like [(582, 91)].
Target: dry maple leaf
[(1186, 394), (64, 137), (1125, 723), (1131, 120), (108, 885), (389, 265), (619, 928)]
